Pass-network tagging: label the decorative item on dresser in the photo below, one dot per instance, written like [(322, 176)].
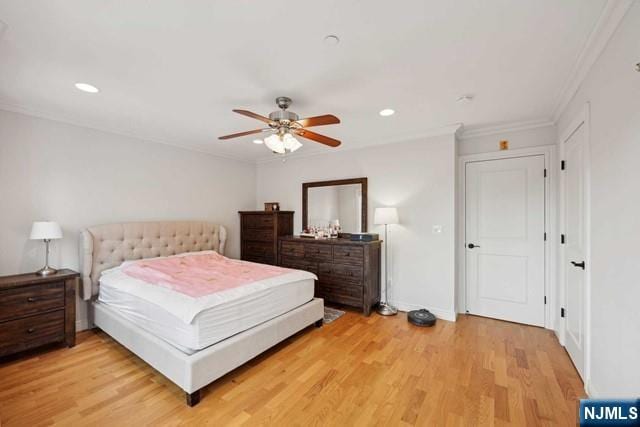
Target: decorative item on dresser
[(348, 272), (259, 232), (37, 310)]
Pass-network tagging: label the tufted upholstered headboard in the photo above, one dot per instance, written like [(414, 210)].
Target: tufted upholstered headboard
[(107, 246)]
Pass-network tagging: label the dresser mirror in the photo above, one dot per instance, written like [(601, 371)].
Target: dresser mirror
[(339, 202)]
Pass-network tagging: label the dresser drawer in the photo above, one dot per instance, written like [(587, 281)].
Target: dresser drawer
[(348, 295), (298, 264), (257, 234), (348, 255), (33, 331), (263, 249), (292, 250), (259, 259), (317, 252), (340, 274), (27, 300), (257, 221)]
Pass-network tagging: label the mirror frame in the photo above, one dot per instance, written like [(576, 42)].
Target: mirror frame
[(305, 197)]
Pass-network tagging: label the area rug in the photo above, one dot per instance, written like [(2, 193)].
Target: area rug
[(331, 314)]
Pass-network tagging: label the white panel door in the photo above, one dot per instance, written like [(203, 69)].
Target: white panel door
[(574, 250), (504, 229)]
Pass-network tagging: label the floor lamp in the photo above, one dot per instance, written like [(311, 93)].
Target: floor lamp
[(386, 216)]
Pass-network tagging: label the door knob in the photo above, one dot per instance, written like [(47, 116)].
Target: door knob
[(578, 264), (471, 246)]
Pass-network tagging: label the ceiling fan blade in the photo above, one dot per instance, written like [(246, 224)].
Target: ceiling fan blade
[(254, 116), (249, 132), (327, 119), (318, 138)]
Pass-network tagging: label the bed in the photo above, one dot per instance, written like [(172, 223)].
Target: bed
[(190, 350)]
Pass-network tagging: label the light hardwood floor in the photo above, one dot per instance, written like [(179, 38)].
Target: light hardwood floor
[(355, 371)]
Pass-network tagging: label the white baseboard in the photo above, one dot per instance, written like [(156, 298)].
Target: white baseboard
[(449, 315), (590, 390)]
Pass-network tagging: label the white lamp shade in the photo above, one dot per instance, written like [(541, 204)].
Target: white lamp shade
[(385, 216), (45, 230)]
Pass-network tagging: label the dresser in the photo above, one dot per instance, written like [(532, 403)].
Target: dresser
[(259, 233), (348, 272), (37, 310)]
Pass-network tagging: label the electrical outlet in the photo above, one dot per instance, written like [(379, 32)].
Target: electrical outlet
[(436, 229)]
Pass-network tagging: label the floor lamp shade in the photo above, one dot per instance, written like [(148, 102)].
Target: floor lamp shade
[(384, 216)]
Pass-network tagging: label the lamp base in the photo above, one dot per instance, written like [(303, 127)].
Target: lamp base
[(46, 271), (386, 309)]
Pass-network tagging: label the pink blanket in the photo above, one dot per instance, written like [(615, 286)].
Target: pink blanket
[(200, 274)]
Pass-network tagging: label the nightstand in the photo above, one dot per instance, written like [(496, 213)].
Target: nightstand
[(37, 310)]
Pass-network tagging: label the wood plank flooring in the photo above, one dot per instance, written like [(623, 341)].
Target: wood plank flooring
[(354, 371)]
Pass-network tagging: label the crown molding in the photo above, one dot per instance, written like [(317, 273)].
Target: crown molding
[(19, 109), (504, 128), (440, 131), (609, 20)]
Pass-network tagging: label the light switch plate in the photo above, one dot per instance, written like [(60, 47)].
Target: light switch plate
[(436, 229)]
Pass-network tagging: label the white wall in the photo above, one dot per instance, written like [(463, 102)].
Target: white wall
[(612, 88), (81, 177), (517, 139), (419, 178)]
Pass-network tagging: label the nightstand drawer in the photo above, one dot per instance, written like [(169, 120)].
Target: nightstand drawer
[(27, 300), (33, 331)]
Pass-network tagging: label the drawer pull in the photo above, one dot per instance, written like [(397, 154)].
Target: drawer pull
[(31, 330), (31, 299)]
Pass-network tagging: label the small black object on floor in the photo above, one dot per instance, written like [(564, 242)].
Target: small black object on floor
[(421, 317)]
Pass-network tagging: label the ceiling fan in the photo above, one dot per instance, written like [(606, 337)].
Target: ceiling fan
[(283, 125)]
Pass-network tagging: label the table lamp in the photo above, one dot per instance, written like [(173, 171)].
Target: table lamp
[(46, 231), (386, 216)]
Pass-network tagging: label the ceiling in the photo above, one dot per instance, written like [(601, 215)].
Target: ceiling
[(171, 71)]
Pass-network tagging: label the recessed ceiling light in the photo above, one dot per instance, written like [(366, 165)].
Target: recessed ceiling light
[(387, 112), (86, 87), (331, 40), (465, 99), (258, 141)]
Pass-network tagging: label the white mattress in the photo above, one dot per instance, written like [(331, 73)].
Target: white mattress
[(213, 324)]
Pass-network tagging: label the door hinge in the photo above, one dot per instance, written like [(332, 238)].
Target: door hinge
[(562, 312), (545, 299), (562, 239), (545, 173), (545, 237), (563, 165)]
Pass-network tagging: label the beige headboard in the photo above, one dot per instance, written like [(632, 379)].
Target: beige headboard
[(107, 246)]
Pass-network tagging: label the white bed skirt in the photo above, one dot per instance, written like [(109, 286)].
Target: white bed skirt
[(192, 372)]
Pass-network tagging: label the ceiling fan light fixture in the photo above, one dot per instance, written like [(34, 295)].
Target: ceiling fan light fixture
[(274, 144), (282, 144), (258, 141)]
